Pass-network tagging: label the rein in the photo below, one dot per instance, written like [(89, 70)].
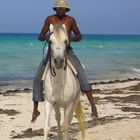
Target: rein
[(53, 73), (43, 52), (66, 56)]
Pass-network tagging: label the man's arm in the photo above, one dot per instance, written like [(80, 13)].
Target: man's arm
[(76, 32), (45, 29)]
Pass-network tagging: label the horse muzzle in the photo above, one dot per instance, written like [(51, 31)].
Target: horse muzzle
[(59, 62)]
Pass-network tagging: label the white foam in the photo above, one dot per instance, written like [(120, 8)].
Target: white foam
[(135, 69), (101, 46)]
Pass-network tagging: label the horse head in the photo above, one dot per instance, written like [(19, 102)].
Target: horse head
[(58, 44)]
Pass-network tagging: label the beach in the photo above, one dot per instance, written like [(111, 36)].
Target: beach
[(118, 104), (112, 67)]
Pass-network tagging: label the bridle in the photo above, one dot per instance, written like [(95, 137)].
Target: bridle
[(52, 69)]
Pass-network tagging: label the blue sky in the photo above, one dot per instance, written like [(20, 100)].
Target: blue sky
[(93, 16)]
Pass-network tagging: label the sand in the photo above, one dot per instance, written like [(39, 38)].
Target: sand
[(118, 105)]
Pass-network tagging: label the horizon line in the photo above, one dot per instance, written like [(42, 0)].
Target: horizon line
[(81, 33)]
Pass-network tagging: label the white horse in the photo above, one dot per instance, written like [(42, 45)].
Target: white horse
[(61, 85)]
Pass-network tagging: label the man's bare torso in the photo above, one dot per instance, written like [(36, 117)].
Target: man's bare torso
[(67, 20)]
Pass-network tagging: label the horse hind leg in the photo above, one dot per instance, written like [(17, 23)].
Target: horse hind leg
[(48, 109)]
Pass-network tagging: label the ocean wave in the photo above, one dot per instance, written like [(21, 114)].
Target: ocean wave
[(135, 69), (100, 46)]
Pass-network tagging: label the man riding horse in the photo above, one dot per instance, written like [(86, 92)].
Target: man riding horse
[(61, 7)]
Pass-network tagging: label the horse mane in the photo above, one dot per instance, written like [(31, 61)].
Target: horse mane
[(60, 33)]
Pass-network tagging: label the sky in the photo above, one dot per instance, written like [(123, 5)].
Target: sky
[(92, 16)]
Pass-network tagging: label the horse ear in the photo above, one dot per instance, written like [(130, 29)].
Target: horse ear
[(51, 28)]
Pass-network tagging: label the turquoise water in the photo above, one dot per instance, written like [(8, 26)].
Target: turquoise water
[(104, 56)]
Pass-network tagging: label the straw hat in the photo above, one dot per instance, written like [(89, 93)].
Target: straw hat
[(61, 3)]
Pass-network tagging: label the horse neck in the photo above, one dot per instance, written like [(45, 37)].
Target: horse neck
[(60, 77)]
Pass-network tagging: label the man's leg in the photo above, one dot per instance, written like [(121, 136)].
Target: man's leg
[(84, 85), (37, 91), (91, 100), (36, 113), (38, 87)]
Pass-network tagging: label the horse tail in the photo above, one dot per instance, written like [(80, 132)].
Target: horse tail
[(80, 118)]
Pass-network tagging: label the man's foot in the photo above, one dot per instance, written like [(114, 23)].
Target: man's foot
[(34, 116), (94, 112)]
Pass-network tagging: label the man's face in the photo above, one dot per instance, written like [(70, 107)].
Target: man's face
[(60, 11)]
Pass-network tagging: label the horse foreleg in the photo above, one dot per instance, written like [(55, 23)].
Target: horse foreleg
[(58, 119), (48, 109), (68, 115)]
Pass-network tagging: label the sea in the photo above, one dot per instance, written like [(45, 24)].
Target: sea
[(105, 57)]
